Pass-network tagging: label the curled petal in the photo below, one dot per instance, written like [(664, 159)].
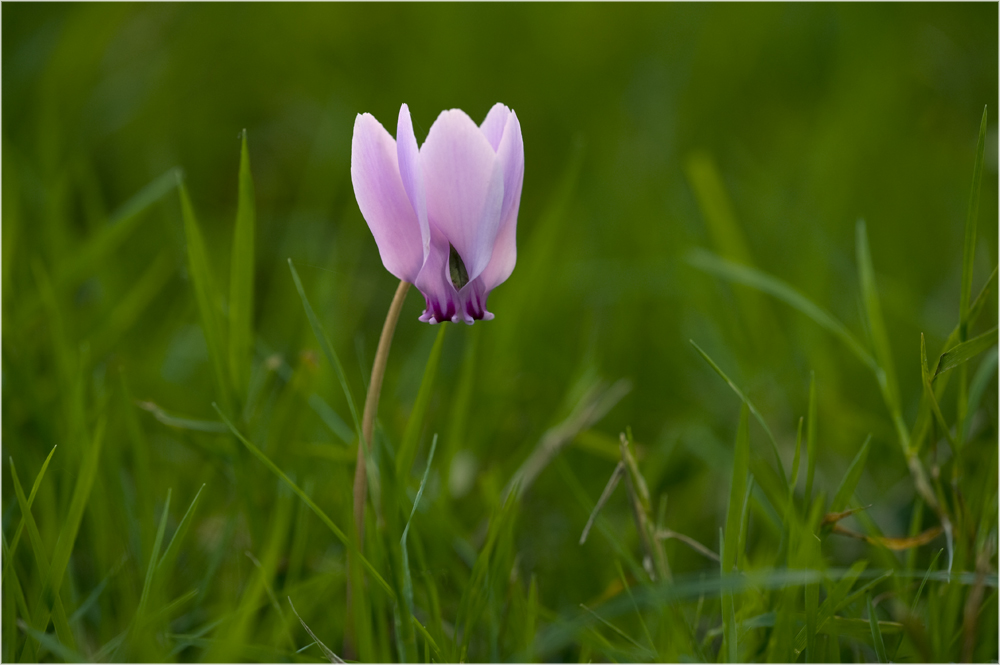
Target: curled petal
[(411, 173), (445, 302), (464, 182), (510, 154), (383, 200)]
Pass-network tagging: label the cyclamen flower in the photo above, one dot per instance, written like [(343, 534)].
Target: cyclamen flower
[(444, 215)]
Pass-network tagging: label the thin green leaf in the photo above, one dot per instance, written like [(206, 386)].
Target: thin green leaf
[(170, 553), (967, 350), (153, 559), (969, 246), (324, 343), (750, 405), (67, 535), (845, 491), (886, 372), (980, 382), (407, 581), (44, 568), (241, 277), (761, 281), (876, 631), (414, 426), (120, 225), (27, 508), (206, 296), (309, 502), (920, 589), (52, 643)]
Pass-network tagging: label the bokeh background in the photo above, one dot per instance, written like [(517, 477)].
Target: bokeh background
[(641, 124)]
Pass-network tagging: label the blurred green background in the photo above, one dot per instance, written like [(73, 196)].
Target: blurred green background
[(761, 133)]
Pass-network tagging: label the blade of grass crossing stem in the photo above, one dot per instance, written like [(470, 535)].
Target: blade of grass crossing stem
[(41, 561), (749, 405), (53, 644), (327, 348), (761, 281), (25, 510), (206, 297), (309, 502), (411, 437), (969, 246), (241, 278), (876, 631), (885, 372), (67, 535), (850, 480), (407, 581), (967, 350)]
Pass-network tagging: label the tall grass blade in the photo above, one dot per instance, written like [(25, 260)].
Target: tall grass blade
[(53, 644), (206, 296), (750, 406), (876, 631), (407, 581), (26, 508), (850, 480), (309, 502), (241, 278), (773, 286), (153, 560), (415, 425), (969, 245), (324, 343), (170, 553)]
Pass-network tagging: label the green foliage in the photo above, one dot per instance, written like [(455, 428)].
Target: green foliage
[(694, 172)]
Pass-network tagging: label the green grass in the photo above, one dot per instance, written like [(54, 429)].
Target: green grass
[(192, 302)]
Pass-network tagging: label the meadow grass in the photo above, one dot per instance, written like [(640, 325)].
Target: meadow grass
[(186, 422)]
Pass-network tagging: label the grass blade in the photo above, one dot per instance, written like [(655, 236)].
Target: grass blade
[(120, 225), (749, 405), (885, 371), (324, 343), (407, 580), (967, 350), (170, 553), (206, 296), (411, 437), (876, 631), (12, 549), (67, 535), (761, 281), (309, 502), (850, 480), (241, 277), (153, 560), (969, 246), (52, 643), (331, 656)]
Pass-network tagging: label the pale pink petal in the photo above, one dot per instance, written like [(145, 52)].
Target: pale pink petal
[(510, 154), (464, 184), (411, 174), (383, 200), (493, 126)]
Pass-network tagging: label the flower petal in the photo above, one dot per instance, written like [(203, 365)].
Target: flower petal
[(411, 173), (510, 154), (435, 284), (494, 124), (382, 198), (464, 184)]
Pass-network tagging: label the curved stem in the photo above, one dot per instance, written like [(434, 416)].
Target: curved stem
[(367, 430), (371, 406)]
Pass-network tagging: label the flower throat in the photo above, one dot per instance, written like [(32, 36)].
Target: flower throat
[(459, 275)]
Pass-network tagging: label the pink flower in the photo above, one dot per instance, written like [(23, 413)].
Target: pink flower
[(444, 215)]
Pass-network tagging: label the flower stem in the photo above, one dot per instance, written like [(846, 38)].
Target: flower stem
[(367, 430)]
